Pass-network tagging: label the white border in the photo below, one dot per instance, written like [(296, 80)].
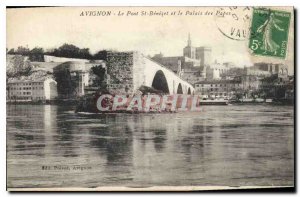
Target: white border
[(110, 3)]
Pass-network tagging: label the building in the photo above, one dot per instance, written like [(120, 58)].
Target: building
[(193, 63), (43, 89), (218, 88), (256, 72), (215, 71), (192, 75), (272, 68), (229, 65), (203, 54), (189, 51), (73, 77), (252, 71), (170, 62), (250, 84), (277, 86)]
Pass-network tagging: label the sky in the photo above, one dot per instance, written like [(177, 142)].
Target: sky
[(52, 27)]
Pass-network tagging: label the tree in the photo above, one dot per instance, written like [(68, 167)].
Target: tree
[(66, 50), (84, 53), (36, 54), (11, 51), (100, 72), (71, 51), (23, 51), (18, 66), (66, 83), (100, 55)]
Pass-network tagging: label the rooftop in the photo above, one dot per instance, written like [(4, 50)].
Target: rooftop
[(27, 80), (218, 81)]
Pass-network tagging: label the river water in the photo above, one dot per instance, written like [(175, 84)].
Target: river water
[(236, 145)]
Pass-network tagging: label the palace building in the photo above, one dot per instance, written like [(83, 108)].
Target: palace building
[(193, 63)]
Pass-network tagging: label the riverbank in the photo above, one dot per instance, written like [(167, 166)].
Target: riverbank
[(76, 102), (46, 102)]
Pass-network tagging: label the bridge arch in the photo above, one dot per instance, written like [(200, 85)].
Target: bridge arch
[(160, 82), (179, 89), (189, 91), (149, 73)]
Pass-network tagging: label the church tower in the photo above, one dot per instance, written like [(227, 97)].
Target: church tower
[(189, 51), (189, 41)]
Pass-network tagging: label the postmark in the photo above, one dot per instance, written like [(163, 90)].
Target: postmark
[(234, 22), (269, 32)]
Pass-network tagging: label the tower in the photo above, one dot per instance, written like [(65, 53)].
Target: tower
[(189, 42), (204, 55), (189, 51)]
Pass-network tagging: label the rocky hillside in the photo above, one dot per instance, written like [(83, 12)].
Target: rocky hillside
[(17, 65)]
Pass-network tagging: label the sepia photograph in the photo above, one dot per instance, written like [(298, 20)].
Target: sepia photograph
[(150, 98)]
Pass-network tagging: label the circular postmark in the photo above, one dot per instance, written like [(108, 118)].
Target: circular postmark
[(234, 22)]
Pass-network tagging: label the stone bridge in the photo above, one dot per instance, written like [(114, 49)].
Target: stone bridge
[(128, 71)]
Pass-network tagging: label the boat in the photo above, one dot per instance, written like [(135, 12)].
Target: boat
[(259, 100), (247, 100), (205, 101), (269, 100)]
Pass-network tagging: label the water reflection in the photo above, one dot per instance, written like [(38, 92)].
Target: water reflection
[(115, 145), (28, 136), (222, 145)]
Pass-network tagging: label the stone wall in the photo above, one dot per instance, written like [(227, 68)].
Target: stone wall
[(120, 72), (50, 58)]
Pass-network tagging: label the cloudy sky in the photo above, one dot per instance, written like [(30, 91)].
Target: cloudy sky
[(51, 27)]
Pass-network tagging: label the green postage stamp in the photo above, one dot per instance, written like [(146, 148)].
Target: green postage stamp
[(269, 32)]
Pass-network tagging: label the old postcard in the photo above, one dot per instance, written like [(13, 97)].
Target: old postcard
[(150, 98)]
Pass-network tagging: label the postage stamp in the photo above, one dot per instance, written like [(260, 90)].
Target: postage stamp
[(269, 32)]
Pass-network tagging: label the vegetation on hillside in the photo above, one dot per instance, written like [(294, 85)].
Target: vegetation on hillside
[(17, 66), (66, 50)]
